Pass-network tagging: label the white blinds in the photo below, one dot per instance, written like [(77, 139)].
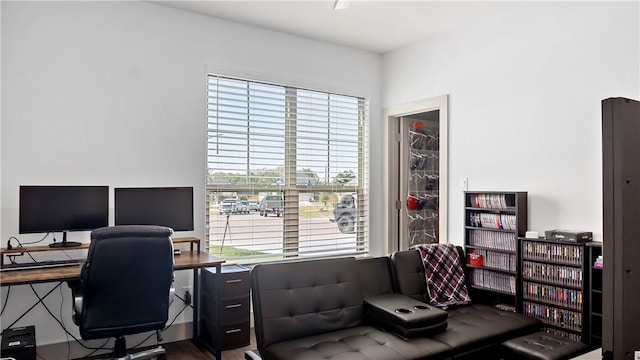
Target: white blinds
[(304, 151)]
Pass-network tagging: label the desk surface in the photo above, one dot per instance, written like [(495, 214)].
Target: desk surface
[(186, 260), (83, 246)]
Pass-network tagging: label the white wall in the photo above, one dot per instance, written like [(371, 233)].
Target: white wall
[(114, 93), (525, 87)]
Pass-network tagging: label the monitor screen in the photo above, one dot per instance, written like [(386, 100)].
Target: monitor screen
[(63, 208), (165, 206)]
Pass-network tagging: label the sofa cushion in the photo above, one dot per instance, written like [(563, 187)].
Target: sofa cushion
[(362, 342), (475, 326), (303, 298)]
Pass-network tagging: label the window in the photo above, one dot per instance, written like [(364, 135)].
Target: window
[(287, 172)]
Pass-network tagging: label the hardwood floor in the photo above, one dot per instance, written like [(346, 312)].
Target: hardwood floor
[(187, 350)]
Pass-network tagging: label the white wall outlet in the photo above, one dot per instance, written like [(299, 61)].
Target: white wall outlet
[(187, 293), (637, 355), (464, 184)]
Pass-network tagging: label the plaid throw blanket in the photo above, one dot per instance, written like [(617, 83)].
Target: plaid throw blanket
[(445, 276)]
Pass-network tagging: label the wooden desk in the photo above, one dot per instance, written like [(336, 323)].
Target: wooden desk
[(85, 246), (194, 260), (187, 260), (16, 250)]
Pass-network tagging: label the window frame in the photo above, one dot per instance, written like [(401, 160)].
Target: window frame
[(290, 190)]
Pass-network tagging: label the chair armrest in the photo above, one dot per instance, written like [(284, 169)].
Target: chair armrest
[(172, 294), (76, 298), (77, 308), (77, 304), (252, 355)]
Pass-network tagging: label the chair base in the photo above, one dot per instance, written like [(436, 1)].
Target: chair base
[(120, 352), (158, 353)]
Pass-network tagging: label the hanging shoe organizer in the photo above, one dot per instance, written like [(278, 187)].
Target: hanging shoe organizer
[(423, 197)]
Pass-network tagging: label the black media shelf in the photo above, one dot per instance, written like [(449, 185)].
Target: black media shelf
[(482, 288), (492, 249), (492, 269), (489, 229), (559, 287), (551, 283), (555, 305), (507, 210), (493, 221)]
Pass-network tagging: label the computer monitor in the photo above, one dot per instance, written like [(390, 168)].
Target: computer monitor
[(164, 206), (46, 209)]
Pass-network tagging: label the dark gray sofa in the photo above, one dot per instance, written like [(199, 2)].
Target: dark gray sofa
[(314, 310)]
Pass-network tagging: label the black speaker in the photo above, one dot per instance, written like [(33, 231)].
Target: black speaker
[(19, 343), (621, 228)]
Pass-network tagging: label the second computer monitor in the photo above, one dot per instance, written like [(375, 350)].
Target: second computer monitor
[(164, 206)]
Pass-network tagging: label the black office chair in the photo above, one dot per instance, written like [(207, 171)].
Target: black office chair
[(125, 286)]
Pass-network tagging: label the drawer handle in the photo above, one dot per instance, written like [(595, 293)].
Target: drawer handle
[(232, 306), (234, 281), (233, 331)]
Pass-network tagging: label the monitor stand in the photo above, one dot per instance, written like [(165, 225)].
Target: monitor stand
[(64, 243)]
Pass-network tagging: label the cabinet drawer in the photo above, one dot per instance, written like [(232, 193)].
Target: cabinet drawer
[(234, 281), (233, 335), (232, 310)]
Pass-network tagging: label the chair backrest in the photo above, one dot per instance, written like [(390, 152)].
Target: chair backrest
[(126, 281)]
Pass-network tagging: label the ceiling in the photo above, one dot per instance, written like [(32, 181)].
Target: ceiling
[(376, 26)]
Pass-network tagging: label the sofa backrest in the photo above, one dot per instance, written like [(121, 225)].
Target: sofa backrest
[(375, 276), (296, 299), (408, 273)]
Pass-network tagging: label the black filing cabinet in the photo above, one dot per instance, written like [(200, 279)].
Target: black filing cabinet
[(234, 306)]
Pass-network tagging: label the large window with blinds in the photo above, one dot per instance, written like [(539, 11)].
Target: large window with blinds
[(287, 172)]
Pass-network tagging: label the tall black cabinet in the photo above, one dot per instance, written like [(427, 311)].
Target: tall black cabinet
[(621, 228)]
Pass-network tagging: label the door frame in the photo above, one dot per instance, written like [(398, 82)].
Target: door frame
[(392, 202)]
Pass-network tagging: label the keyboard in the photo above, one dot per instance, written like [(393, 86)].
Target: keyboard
[(40, 265)]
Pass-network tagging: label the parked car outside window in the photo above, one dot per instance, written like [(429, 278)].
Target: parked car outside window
[(244, 207), (230, 206), (271, 204)]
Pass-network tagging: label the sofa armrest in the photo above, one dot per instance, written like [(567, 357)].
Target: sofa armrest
[(404, 315)]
